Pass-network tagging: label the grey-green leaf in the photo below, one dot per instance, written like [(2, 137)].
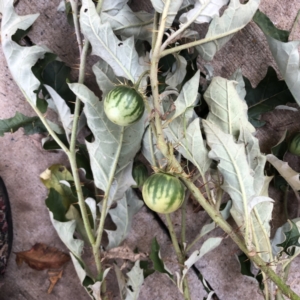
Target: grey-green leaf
[(255, 159), (235, 17), (226, 109), (105, 77), (233, 165), (19, 67), (108, 136), (122, 217), (135, 281), (190, 144), (150, 150), (172, 12), (120, 55), (209, 9), (286, 56), (128, 23), (187, 97)]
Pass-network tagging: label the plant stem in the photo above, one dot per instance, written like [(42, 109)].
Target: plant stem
[(180, 257), (183, 27), (183, 218), (74, 5), (164, 148), (104, 211), (155, 29), (200, 42)]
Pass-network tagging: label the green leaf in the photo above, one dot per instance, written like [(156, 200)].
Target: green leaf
[(269, 93), (107, 138), (226, 109), (113, 7), (128, 23), (291, 239), (266, 25), (56, 75), (235, 17), (209, 10), (245, 264), (54, 202), (156, 259), (120, 55), (122, 216), (146, 270), (19, 67), (134, 282), (31, 125)]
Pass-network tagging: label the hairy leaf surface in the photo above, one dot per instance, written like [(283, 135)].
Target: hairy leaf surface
[(15, 54), (108, 136), (128, 23), (120, 55), (122, 217), (233, 165), (226, 109), (135, 281), (209, 10), (235, 17)]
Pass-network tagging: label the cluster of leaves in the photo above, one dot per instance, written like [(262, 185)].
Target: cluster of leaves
[(225, 138)]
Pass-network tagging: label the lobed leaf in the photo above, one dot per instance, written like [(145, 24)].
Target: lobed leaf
[(122, 216), (19, 67), (268, 94), (226, 109), (128, 23), (269, 28), (235, 17), (31, 125), (108, 136), (120, 55), (134, 282), (209, 10), (233, 165)]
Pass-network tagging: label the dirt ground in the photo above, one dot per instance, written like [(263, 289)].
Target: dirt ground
[(22, 160)]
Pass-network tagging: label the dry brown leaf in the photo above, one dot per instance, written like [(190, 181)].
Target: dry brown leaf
[(123, 252), (41, 257), (54, 276)]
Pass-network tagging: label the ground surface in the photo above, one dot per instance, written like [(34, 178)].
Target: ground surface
[(22, 160)]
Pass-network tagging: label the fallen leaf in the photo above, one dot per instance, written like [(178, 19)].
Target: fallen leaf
[(54, 276), (41, 257), (123, 252)]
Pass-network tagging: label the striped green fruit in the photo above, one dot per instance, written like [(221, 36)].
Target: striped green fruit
[(139, 174), (124, 105), (294, 145), (163, 193)]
